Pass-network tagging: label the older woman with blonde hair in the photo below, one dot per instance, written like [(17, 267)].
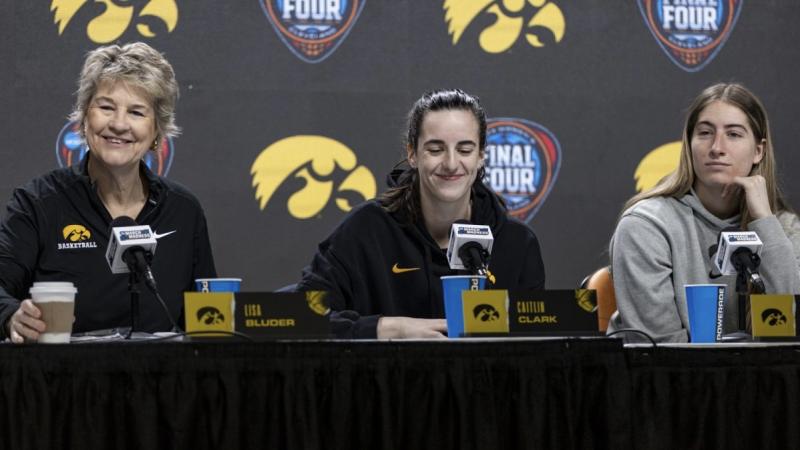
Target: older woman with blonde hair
[(125, 108), (725, 179)]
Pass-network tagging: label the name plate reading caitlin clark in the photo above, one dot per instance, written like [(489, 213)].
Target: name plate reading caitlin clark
[(560, 312), (283, 315)]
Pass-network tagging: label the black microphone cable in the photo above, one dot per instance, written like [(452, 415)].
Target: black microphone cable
[(635, 331), (209, 333), (163, 304)]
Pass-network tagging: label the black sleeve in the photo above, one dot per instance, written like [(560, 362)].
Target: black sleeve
[(203, 259), (532, 275), (19, 247), (328, 273)]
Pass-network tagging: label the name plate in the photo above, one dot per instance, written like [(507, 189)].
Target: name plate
[(485, 311), (280, 315), (773, 315), (561, 312), (209, 312)]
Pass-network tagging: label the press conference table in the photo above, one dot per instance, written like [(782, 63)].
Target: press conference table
[(472, 394)]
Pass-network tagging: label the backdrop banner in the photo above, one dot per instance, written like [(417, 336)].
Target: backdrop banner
[(293, 111)]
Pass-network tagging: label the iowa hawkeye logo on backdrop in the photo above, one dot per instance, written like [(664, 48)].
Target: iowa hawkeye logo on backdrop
[(308, 166), (691, 32), (512, 19), (657, 164), (113, 17), (522, 162), (70, 150), (312, 29)]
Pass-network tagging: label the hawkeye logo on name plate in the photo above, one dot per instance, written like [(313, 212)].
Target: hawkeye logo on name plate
[(691, 32), (70, 150), (76, 236), (317, 169), (312, 29), (510, 19), (112, 18), (522, 163)]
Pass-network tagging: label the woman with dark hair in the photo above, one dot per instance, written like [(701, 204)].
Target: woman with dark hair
[(126, 108), (725, 179), (381, 265)]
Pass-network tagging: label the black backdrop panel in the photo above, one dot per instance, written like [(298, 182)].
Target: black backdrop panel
[(606, 90)]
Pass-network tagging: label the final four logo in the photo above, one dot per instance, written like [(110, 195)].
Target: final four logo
[(522, 162), (70, 150), (312, 29), (691, 32)]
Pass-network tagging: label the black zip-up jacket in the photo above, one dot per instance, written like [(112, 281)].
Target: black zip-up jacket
[(377, 264), (56, 229)]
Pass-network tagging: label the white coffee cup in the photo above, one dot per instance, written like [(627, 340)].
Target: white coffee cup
[(56, 301)]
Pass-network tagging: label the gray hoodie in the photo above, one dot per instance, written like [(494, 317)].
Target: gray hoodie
[(662, 244)]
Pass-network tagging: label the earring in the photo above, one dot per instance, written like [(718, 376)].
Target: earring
[(86, 137), (155, 144)]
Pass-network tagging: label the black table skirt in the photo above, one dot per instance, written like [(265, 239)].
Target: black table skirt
[(721, 398), (568, 394)]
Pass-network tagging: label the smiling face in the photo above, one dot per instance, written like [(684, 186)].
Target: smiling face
[(723, 147), (448, 156), (120, 126)]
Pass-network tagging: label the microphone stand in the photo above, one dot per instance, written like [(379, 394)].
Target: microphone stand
[(133, 288), (742, 291)]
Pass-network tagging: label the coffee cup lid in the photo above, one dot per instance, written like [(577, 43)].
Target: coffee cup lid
[(53, 284), (50, 289)]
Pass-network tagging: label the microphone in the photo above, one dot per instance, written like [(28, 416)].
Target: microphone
[(469, 248), (738, 253), (131, 248)]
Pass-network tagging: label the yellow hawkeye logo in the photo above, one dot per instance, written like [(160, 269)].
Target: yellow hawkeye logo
[(398, 269), (76, 237), (510, 22), (659, 163), (115, 17), (76, 233), (318, 302), (586, 299), (309, 163)]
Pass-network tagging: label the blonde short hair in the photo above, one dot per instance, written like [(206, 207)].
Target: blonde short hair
[(138, 65)]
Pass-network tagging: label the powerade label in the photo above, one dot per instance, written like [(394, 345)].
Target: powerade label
[(720, 311)]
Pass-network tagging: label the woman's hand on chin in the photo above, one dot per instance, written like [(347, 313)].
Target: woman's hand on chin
[(755, 192)]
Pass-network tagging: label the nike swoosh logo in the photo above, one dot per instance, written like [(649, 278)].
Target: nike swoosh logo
[(396, 269), (159, 236)]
